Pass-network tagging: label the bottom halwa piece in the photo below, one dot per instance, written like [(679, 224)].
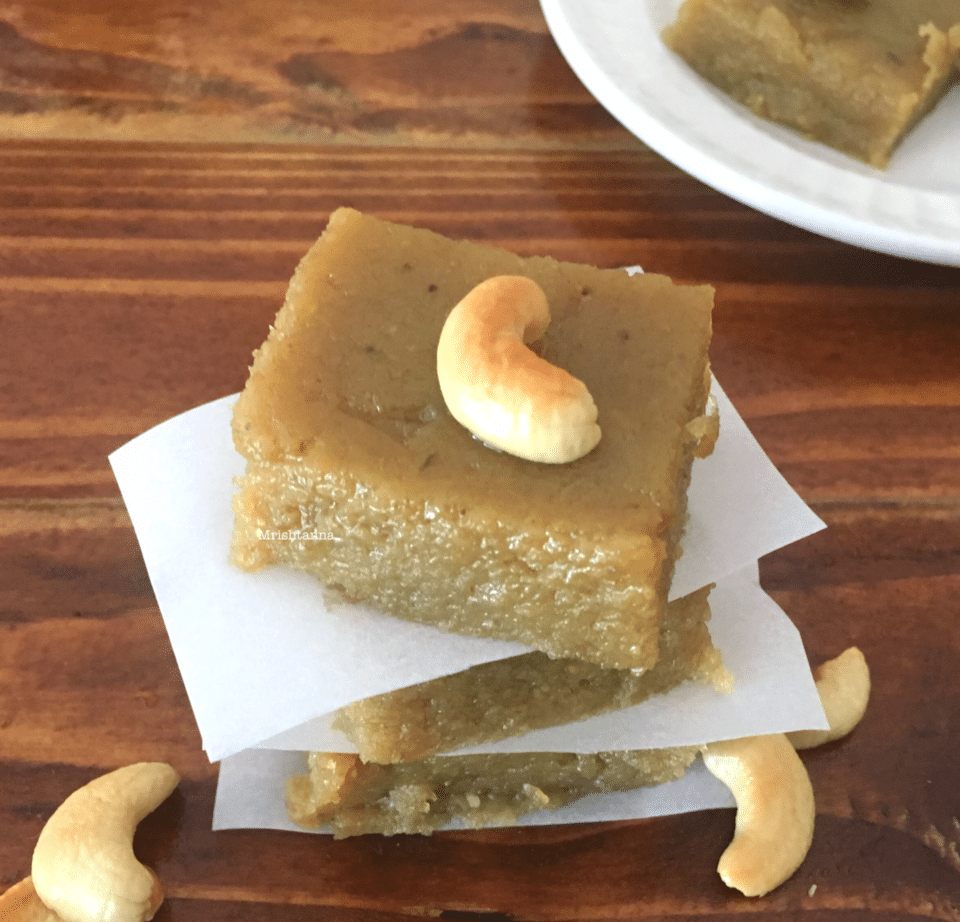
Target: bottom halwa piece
[(493, 701), (355, 798)]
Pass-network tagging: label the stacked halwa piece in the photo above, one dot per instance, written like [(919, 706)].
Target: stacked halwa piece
[(346, 434)]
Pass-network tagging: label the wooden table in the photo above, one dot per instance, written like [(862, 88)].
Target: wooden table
[(162, 168)]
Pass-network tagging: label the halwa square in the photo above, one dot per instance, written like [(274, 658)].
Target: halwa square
[(357, 473), (510, 697), (494, 789)]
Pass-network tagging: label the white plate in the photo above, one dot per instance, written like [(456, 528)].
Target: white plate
[(911, 209)]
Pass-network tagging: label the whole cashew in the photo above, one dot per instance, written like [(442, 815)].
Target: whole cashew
[(500, 390), (84, 868), (843, 684), (775, 810), (775, 807)]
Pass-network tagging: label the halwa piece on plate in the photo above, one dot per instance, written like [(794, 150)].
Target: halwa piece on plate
[(347, 436), (854, 74)]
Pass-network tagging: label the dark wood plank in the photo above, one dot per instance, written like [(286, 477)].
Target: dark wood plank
[(316, 72)]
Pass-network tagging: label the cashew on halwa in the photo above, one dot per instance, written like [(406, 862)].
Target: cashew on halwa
[(498, 388)]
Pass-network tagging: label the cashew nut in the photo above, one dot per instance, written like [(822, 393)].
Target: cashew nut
[(21, 904), (500, 390), (775, 810), (843, 684), (84, 868)]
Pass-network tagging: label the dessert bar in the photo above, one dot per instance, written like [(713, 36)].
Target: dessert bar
[(357, 472), (355, 798), (505, 698)]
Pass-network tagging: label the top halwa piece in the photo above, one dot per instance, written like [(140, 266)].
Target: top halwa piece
[(854, 74), (357, 473)]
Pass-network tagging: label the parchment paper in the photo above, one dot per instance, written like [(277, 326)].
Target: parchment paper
[(773, 693), (262, 654)]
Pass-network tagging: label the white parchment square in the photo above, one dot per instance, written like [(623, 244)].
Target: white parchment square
[(263, 653)]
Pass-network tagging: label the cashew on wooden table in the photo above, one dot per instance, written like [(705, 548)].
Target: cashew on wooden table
[(499, 389), (84, 869), (775, 805), (844, 687)]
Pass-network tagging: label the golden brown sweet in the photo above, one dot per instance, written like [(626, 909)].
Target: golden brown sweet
[(481, 790), (854, 74), (346, 433), (493, 701)]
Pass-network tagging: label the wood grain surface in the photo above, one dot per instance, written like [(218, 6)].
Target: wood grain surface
[(142, 262), (321, 71)]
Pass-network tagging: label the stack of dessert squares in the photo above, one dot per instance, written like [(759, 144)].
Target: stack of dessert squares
[(348, 432), (455, 498)]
